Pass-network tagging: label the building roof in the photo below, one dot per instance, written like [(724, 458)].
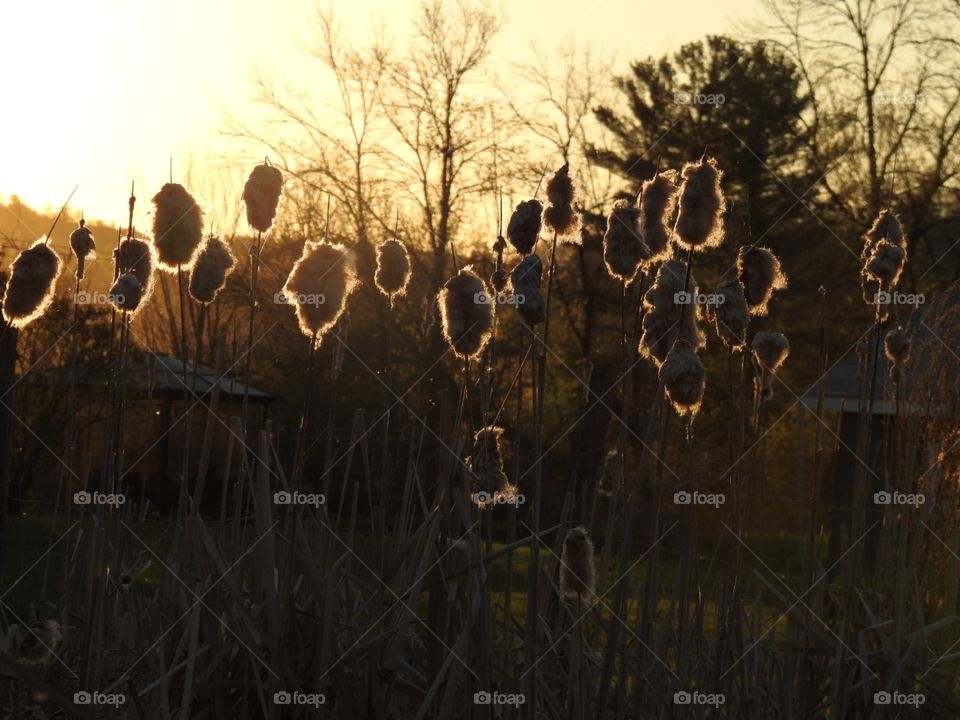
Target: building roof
[(167, 376)]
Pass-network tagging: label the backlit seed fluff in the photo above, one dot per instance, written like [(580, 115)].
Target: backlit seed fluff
[(209, 274), (83, 246), (559, 215), (662, 319), (623, 248), (885, 264), (499, 279), (730, 314), (887, 229), (658, 198), (609, 479), (319, 285), (700, 215), (393, 268), (486, 465), (126, 293), (31, 284), (39, 643), (758, 270), (886, 226), (576, 565), (525, 281), (467, 313), (684, 379), (261, 194), (138, 258), (896, 346), (177, 227), (770, 349), (523, 230)]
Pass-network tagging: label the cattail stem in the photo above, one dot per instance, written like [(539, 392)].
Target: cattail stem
[(186, 387), (254, 272), (299, 455)]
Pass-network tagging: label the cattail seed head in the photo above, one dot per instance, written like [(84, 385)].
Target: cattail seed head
[(138, 258), (882, 258), (770, 349), (623, 248), (525, 281), (209, 275), (730, 314), (39, 643), (609, 475), (886, 226), (126, 293), (559, 214), (319, 285), (759, 272), (885, 264), (523, 230), (576, 565), (662, 319), (486, 464), (31, 284), (466, 313), (684, 378), (896, 346), (261, 194), (658, 198), (700, 218), (393, 268), (83, 246), (177, 227), (498, 279)]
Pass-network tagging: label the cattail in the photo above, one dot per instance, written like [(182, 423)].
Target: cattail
[(319, 285), (31, 284), (609, 474), (730, 314), (466, 313), (177, 227), (896, 346), (658, 198), (393, 268), (498, 280), (126, 293), (137, 258), (83, 246), (559, 214), (700, 218), (576, 565), (885, 264), (886, 226), (39, 643), (684, 378), (884, 254), (664, 312), (525, 281), (210, 271), (623, 248), (486, 464), (523, 230), (261, 194), (759, 271), (770, 349)]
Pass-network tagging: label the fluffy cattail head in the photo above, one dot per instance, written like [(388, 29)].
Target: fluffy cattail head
[(525, 281), (126, 293), (884, 254), (137, 258), (498, 279), (177, 227), (885, 264), (83, 246), (664, 320), (39, 642), (730, 314), (319, 285), (209, 273), (31, 284), (609, 474), (486, 463), (658, 198), (467, 313), (759, 272), (576, 565), (559, 214), (886, 226), (684, 378), (770, 349), (700, 218), (261, 194), (896, 346), (623, 248), (393, 268), (523, 230)]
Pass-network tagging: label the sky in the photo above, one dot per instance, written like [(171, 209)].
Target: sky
[(102, 92)]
